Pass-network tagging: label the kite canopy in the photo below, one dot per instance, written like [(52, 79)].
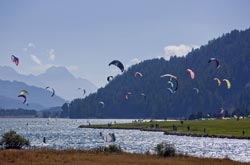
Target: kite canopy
[(84, 91), (171, 90), (218, 81), (191, 73), (51, 89), (136, 74), (171, 83), (172, 77), (23, 96), (109, 78), (102, 103), (228, 83), (169, 75), (118, 64), (127, 94), (216, 61), (197, 90), (15, 60), (143, 95), (23, 92)]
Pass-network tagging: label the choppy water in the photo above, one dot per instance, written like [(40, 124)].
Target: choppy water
[(64, 133)]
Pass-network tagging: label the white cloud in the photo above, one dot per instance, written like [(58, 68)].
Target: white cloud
[(36, 59), (51, 54), (41, 67), (31, 45), (72, 67), (38, 69), (178, 50), (133, 62)]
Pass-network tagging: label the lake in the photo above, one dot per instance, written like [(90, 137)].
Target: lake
[(65, 134)]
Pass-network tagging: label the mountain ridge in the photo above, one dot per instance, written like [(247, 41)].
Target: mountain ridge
[(53, 76), (37, 98)]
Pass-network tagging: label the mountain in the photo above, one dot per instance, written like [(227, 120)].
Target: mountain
[(231, 49), (65, 83), (59, 78), (37, 98), (8, 73)]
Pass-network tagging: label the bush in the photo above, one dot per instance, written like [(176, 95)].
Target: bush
[(11, 140), (113, 149), (165, 149)]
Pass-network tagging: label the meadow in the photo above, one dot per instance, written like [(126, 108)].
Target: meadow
[(218, 127), (57, 157)]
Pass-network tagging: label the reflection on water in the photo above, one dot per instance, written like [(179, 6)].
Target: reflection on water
[(64, 133)]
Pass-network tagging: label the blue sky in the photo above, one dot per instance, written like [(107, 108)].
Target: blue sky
[(85, 35)]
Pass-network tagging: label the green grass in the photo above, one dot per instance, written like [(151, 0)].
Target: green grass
[(226, 127)]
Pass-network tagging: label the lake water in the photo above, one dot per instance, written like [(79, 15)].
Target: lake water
[(64, 134)]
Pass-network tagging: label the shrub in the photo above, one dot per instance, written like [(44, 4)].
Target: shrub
[(11, 140), (113, 149), (165, 149), (147, 152)]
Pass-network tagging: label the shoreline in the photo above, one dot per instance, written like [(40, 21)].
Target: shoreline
[(18, 117), (207, 135), (168, 133)]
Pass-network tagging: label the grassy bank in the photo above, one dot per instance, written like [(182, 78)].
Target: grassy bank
[(55, 157), (216, 128)]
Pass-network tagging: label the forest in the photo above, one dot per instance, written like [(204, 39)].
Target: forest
[(232, 50)]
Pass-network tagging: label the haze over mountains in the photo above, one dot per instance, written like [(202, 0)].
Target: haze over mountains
[(37, 98), (64, 83)]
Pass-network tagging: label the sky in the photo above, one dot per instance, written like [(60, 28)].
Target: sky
[(85, 35)]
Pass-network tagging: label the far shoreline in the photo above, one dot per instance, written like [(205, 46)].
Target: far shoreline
[(167, 127), (168, 133)]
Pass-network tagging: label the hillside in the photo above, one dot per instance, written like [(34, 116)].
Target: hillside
[(38, 98), (11, 103), (233, 52)]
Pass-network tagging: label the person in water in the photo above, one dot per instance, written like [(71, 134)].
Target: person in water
[(113, 137), (110, 137), (44, 140)]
